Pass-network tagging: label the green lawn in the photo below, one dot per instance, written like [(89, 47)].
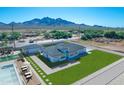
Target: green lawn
[(50, 64), (88, 64)]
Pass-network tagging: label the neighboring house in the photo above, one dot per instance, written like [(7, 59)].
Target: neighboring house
[(29, 34), (31, 49), (63, 51)]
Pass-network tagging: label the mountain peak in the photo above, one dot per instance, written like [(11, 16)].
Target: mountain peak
[(47, 21), (46, 18), (59, 19)]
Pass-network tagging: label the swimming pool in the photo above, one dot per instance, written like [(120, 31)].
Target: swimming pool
[(8, 75)]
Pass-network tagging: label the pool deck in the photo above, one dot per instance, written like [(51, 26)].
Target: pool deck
[(34, 80), (13, 63)]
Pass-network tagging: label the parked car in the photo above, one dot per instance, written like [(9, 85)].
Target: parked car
[(31, 41)]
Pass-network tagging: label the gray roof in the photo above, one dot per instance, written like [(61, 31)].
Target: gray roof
[(57, 50), (53, 51), (70, 47), (31, 46)]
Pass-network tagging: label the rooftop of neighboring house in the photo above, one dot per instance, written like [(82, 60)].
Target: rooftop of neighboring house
[(31, 46), (30, 33)]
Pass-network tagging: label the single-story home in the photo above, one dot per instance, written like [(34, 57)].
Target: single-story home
[(31, 49), (60, 51), (29, 34), (63, 51)]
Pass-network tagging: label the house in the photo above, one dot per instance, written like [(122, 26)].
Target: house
[(53, 54), (63, 51), (31, 49), (29, 34)]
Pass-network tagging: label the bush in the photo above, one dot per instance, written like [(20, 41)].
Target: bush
[(89, 34), (83, 37), (60, 34), (120, 35), (111, 34)]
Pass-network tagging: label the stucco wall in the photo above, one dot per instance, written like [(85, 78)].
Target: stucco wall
[(68, 56), (32, 51), (56, 59)]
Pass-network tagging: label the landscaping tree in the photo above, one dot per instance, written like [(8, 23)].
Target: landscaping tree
[(111, 34), (89, 34), (120, 35), (83, 37), (60, 34), (0, 36), (14, 36), (47, 35), (4, 35)]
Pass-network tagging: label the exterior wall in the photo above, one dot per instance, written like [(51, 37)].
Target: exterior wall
[(53, 59), (76, 54), (62, 58), (68, 56), (82, 51), (72, 55), (56, 59), (45, 55)]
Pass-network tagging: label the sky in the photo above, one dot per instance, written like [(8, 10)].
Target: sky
[(104, 16)]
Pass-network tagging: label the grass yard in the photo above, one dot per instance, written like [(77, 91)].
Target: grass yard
[(50, 64), (88, 65)]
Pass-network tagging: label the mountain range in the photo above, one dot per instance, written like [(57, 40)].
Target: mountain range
[(50, 23)]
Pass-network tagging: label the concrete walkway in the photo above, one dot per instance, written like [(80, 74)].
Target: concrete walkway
[(105, 75), (49, 70)]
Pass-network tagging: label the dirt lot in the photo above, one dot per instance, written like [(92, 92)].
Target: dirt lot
[(23, 30), (117, 46)]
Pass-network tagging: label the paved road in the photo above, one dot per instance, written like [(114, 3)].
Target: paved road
[(102, 49), (21, 44), (118, 81)]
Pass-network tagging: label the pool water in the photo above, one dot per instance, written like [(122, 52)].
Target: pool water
[(8, 75)]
